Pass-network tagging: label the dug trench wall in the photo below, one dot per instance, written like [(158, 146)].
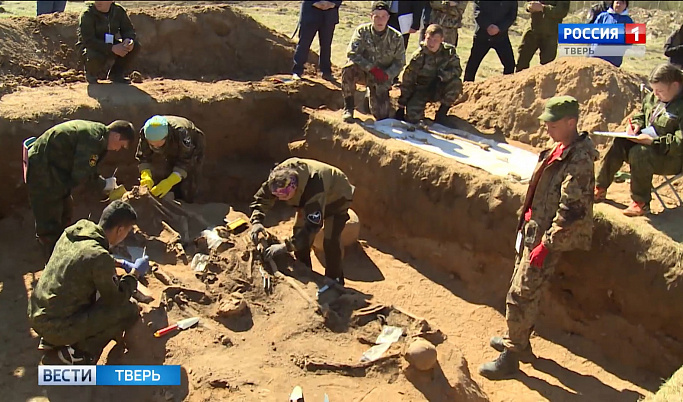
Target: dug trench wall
[(624, 294)]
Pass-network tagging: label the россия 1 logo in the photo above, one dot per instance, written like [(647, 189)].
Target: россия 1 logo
[(601, 39)]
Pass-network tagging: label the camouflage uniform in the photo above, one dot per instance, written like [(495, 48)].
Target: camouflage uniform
[(92, 27), (323, 197), (79, 300), (430, 77), (664, 156), (366, 50), (541, 33), (183, 153), (60, 159), (449, 16), (561, 199)]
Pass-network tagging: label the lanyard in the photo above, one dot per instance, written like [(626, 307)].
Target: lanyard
[(661, 106)]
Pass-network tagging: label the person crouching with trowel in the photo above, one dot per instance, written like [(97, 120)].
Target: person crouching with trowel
[(171, 148), (322, 194), (79, 303)]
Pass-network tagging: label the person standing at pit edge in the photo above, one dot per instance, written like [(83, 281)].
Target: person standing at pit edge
[(319, 17), (376, 56), (541, 32), (64, 157), (662, 111), (321, 193), (557, 216), (171, 151), (493, 20), (104, 33)]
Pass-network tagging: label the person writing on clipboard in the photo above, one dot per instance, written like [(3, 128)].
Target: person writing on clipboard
[(657, 143)]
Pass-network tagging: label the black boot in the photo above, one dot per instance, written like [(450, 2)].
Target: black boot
[(400, 114), (304, 257), (442, 114), (347, 114), (504, 367), (526, 356)]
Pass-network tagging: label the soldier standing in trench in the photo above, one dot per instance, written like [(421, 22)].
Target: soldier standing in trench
[(171, 152), (322, 194), (557, 216), (64, 157)]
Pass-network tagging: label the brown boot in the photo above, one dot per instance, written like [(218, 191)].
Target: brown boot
[(637, 209), (599, 195)]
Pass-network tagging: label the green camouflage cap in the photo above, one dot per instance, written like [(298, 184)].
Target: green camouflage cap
[(559, 107)]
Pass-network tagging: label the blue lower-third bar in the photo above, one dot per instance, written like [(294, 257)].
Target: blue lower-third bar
[(109, 375)]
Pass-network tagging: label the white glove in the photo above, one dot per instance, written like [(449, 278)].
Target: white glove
[(110, 184)]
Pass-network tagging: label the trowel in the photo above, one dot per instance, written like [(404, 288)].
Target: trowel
[(182, 324)]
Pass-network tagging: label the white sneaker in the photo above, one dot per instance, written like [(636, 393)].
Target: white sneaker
[(296, 77)]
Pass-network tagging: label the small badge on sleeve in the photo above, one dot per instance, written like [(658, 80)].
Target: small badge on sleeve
[(315, 217), (93, 160), (187, 141)]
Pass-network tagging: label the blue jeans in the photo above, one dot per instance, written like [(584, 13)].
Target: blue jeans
[(49, 7)]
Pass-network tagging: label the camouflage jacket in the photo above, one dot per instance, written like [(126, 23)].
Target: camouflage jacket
[(367, 49), (79, 269), (447, 15), (561, 198), (666, 118), (93, 25), (184, 147), (546, 21), (67, 155), (426, 68), (322, 190)]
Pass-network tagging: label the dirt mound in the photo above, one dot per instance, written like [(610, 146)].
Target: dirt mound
[(203, 43), (511, 104)]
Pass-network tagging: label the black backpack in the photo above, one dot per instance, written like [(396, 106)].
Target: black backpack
[(597, 9)]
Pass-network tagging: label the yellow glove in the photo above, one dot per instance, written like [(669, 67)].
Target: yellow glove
[(146, 178), (117, 193), (164, 186)]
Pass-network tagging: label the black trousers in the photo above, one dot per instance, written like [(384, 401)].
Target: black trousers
[(481, 45), (393, 22), (306, 34)]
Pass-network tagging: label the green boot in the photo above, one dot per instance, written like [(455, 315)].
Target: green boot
[(504, 367)]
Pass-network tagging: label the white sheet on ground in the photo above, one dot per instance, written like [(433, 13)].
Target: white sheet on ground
[(501, 159)]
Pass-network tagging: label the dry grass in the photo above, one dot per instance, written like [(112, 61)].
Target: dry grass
[(672, 390)]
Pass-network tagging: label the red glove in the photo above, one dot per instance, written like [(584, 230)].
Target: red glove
[(379, 74), (537, 256)]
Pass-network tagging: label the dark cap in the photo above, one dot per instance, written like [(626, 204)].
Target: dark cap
[(380, 5), (559, 107)]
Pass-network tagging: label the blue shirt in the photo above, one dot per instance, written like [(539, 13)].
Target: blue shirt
[(610, 17)]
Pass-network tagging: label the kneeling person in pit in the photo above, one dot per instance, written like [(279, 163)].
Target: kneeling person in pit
[(322, 194), (171, 155), (79, 303)]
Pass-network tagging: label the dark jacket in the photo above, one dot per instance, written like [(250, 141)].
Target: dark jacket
[(409, 7), (183, 149), (499, 13), (673, 49), (314, 15), (93, 25)]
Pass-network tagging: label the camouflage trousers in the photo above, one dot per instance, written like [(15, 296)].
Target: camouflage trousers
[(445, 93), (524, 297), (450, 35), (380, 104), (336, 216), (187, 189), (532, 41), (52, 207), (91, 330), (645, 162)]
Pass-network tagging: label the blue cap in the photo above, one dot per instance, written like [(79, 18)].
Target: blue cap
[(156, 128)]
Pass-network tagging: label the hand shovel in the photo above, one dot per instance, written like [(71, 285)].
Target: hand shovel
[(182, 324)]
